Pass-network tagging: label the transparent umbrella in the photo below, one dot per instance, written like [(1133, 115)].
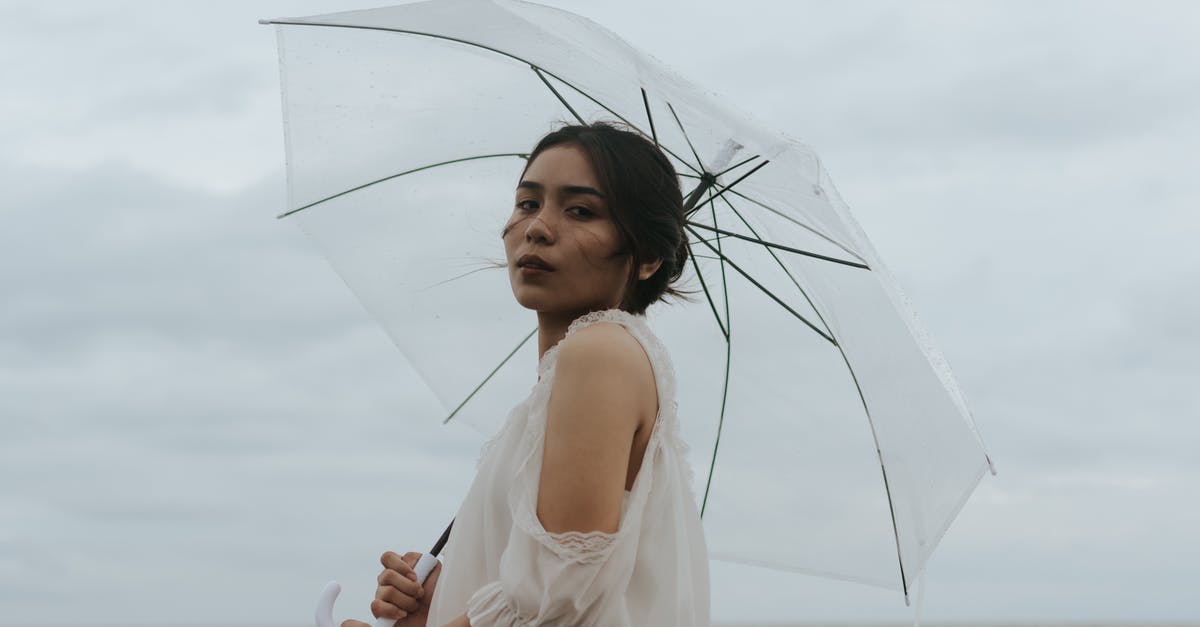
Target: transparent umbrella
[(827, 432)]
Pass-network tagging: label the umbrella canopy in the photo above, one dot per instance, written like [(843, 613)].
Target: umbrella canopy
[(827, 432)]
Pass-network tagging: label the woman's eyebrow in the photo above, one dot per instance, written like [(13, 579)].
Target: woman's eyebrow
[(569, 189)]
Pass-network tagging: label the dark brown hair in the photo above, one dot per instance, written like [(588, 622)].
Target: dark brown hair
[(644, 200)]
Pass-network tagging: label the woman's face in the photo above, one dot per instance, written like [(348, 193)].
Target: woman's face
[(561, 218)]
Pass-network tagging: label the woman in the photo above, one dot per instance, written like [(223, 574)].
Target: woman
[(582, 511)]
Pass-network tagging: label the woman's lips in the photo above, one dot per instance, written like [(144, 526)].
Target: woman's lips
[(532, 265), (532, 271)]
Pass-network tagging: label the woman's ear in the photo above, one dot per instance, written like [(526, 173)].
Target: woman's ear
[(647, 270)]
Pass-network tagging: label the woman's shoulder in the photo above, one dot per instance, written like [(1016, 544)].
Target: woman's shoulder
[(605, 346), (622, 334), (617, 342), (611, 363)]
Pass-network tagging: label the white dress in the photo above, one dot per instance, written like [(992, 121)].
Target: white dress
[(503, 568)]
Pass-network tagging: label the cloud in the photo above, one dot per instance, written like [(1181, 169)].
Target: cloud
[(176, 392)]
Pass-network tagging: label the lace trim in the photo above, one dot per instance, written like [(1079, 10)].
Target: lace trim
[(603, 315), (584, 547), (571, 546)]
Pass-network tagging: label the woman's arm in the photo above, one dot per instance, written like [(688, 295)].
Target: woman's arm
[(597, 401), (567, 495)]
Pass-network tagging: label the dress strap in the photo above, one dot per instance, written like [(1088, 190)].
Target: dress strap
[(619, 316)]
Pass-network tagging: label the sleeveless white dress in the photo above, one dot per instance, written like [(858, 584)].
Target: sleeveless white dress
[(503, 568)]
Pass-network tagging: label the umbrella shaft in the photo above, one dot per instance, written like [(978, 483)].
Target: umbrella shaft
[(696, 194)]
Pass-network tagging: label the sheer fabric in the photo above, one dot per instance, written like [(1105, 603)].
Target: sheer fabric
[(503, 568)]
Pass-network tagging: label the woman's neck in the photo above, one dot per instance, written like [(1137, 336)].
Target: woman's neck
[(553, 325), (552, 328)]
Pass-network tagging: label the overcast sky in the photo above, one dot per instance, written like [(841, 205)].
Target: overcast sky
[(192, 404)]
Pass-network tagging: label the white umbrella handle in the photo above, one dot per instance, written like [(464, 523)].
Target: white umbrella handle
[(324, 614)]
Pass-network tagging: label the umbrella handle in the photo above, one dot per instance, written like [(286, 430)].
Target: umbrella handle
[(324, 613)]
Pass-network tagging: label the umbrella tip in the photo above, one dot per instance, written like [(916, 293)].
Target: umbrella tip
[(264, 21)]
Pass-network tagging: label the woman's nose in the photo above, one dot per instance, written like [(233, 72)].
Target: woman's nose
[(538, 230)]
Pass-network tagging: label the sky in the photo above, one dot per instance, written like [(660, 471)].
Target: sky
[(201, 424)]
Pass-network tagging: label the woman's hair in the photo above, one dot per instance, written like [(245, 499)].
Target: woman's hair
[(644, 200)]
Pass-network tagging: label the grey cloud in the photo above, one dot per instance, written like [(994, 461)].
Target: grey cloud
[(159, 260)]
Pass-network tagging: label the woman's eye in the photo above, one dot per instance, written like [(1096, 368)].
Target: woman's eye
[(527, 205), (581, 211)]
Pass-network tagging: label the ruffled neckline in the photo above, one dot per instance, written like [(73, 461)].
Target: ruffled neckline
[(600, 315)]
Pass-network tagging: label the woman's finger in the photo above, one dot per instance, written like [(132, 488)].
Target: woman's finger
[(398, 564), (383, 609), (400, 582), (397, 598)]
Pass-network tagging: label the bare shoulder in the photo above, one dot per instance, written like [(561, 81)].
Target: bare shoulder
[(606, 346), (604, 363)]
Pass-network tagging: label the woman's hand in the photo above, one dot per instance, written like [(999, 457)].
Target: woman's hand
[(399, 595)]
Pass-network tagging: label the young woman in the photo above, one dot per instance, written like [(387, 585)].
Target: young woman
[(582, 511)]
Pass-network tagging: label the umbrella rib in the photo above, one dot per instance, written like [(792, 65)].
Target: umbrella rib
[(737, 165), (882, 470), (799, 224), (707, 295), (490, 375), (712, 464), (681, 160), (766, 291), (874, 437), (853, 376), (390, 177), (625, 120), (460, 276), (772, 244), (685, 136), (646, 103), (556, 94), (781, 266), (713, 257), (295, 22)]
